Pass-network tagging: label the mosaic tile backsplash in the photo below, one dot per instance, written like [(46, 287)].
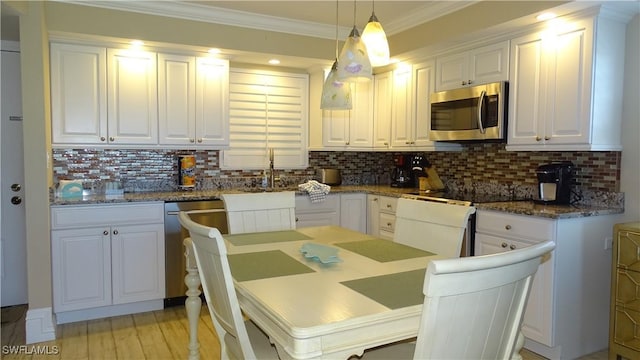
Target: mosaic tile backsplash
[(482, 163)]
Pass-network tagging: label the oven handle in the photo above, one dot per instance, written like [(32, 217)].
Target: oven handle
[(480, 102)]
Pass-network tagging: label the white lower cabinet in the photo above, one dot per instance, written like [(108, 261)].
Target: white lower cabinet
[(105, 257), (567, 310), (348, 210), (382, 216)]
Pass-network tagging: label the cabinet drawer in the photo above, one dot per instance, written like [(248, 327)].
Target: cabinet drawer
[(515, 226), (304, 204), (388, 204), (84, 216), (387, 222), (628, 289), (626, 328), (628, 250)]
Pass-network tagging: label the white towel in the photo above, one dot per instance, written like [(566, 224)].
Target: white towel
[(317, 191)]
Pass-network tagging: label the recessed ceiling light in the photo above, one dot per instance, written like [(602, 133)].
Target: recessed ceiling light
[(214, 51), (137, 43), (546, 16), (274, 62)]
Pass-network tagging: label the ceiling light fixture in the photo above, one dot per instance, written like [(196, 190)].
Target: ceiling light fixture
[(274, 62), (336, 95), (353, 63), (376, 40)]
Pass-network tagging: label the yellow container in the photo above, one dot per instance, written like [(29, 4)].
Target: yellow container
[(186, 171)]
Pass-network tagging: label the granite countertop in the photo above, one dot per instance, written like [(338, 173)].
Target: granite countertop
[(497, 204)]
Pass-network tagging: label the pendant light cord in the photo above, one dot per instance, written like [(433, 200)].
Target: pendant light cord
[(354, 13), (336, 29)]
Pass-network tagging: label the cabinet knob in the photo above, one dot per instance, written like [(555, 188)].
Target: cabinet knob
[(512, 247), (547, 137), (296, 219), (386, 144), (375, 199), (538, 138), (504, 244), (508, 227), (102, 138), (115, 232), (105, 233), (388, 206), (347, 143), (192, 140), (389, 224), (407, 142), (469, 82), (464, 83), (112, 139), (199, 140)]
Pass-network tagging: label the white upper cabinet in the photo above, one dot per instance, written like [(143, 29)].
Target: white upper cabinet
[(193, 100), (476, 66), (78, 94), (382, 110), (132, 97), (353, 128), (566, 87)]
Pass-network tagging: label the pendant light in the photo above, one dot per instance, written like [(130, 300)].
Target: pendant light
[(353, 63), (336, 95), (376, 40)]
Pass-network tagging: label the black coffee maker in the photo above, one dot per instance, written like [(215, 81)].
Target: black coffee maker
[(401, 175), (555, 182)]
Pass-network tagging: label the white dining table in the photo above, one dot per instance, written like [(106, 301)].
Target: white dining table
[(311, 310)]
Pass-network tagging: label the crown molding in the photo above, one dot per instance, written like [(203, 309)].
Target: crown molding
[(217, 15)]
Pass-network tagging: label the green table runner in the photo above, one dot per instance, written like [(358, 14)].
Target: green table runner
[(265, 237), (383, 250), (393, 290), (264, 264)]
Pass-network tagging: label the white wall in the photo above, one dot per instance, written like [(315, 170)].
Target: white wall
[(630, 167)]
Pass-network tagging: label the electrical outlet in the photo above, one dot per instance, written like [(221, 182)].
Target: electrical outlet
[(608, 243)]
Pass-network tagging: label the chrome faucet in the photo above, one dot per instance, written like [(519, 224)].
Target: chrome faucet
[(272, 177)]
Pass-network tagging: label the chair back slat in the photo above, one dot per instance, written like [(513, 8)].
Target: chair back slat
[(254, 212)]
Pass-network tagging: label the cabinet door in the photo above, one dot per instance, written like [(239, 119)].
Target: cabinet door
[(137, 262), (176, 99), (452, 71), (537, 324), (133, 97), (424, 85), (382, 91), (373, 211), (353, 212), (361, 121), (335, 128), (78, 94), (526, 80), (212, 102), (401, 117), (81, 268), (489, 64)]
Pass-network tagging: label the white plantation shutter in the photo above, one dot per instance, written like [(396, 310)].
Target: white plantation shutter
[(267, 109)]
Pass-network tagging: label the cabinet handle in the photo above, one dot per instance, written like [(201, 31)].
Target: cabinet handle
[(512, 247), (192, 140), (504, 244), (386, 144), (538, 138), (105, 233), (112, 139), (115, 232), (102, 138), (407, 142), (508, 227)]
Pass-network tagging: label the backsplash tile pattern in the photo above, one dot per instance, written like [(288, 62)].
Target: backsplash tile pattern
[(482, 163)]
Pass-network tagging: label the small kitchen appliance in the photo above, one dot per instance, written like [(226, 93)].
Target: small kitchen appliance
[(402, 175), (554, 183), (329, 176)]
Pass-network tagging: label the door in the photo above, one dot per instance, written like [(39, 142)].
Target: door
[(13, 242)]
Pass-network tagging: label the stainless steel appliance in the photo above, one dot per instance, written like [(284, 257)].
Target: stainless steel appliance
[(554, 183), (471, 113), (174, 234), (329, 176)]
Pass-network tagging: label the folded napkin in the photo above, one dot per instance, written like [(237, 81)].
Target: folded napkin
[(317, 191)]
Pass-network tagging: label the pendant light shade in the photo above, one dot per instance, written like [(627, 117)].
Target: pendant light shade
[(376, 41), (354, 64), (336, 95)]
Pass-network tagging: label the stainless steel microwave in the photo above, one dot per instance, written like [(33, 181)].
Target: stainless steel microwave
[(471, 113)]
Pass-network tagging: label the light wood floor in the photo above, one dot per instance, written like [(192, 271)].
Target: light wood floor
[(161, 334)]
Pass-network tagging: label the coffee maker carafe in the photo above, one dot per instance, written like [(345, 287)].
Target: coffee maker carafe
[(555, 182), (401, 176)]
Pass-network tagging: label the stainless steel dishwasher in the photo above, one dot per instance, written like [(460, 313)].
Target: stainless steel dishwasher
[(174, 234)]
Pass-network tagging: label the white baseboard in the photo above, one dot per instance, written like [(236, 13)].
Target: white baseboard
[(39, 325), (109, 311)]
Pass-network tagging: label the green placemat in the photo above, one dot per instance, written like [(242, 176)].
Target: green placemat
[(394, 290), (264, 264), (265, 237), (383, 250)]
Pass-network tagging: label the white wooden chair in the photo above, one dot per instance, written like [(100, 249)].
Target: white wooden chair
[(473, 307), (432, 226), (239, 339), (267, 211)]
